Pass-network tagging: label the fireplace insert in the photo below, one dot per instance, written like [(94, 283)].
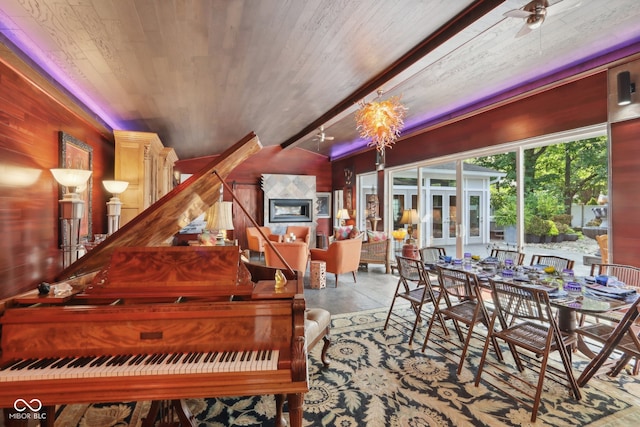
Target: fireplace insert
[(290, 210)]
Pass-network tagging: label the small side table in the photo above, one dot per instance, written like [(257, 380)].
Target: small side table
[(318, 273)]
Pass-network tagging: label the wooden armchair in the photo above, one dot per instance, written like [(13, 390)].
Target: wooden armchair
[(376, 252), (342, 256), (256, 242)]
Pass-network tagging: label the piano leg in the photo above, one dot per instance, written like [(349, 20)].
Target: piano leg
[(169, 410), (295, 408), (280, 421)]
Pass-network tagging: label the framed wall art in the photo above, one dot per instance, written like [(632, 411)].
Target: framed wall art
[(75, 154), (323, 205)]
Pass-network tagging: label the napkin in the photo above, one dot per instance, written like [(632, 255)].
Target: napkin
[(610, 292)]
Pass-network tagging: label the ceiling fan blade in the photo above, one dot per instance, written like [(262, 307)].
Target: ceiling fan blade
[(524, 30), (517, 13)]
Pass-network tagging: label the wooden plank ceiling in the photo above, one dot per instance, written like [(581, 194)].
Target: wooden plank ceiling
[(203, 73)]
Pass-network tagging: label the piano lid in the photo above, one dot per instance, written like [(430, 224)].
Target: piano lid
[(166, 217)]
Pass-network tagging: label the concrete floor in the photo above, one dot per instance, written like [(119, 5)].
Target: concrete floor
[(373, 289)]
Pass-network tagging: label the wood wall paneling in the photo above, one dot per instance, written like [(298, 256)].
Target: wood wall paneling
[(624, 200), (29, 126)]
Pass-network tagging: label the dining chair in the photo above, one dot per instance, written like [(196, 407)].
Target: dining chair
[(559, 263), (621, 337), (504, 254), (430, 255), (523, 318), (626, 274), (460, 300), (415, 287)]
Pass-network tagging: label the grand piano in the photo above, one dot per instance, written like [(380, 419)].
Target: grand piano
[(147, 321)]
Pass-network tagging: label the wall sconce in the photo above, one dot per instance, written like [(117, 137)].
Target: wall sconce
[(71, 210), (625, 88), (409, 217), (342, 216), (114, 205)]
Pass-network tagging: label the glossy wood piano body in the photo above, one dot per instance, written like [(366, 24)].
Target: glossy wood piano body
[(132, 299), (112, 318)]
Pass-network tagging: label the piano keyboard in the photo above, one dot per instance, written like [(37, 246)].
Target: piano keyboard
[(136, 365)]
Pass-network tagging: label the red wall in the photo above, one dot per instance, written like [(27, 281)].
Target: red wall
[(29, 126), (624, 201)]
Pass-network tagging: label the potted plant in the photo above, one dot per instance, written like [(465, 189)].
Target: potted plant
[(562, 231), (506, 218), (571, 235), (534, 228), (552, 231)]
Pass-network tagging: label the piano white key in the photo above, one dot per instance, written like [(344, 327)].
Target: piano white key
[(131, 365)]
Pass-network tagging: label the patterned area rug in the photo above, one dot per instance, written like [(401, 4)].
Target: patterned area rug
[(377, 379)]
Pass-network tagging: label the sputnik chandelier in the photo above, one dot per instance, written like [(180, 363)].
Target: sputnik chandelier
[(381, 121)]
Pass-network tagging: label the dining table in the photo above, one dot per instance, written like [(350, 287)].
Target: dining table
[(591, 298)]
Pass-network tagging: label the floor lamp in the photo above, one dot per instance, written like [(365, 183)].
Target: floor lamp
[(71, 210), (114, 205)]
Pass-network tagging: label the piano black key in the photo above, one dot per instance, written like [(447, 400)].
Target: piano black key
[(136, 359), (99, 361), (47, 362), (62, 362), (9, 364), (23, 364)]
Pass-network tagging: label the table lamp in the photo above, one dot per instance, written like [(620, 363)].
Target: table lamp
[(342, 215), (220, 219), (409, 217)]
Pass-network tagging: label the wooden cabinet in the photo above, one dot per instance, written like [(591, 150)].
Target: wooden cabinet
[(147, 165)]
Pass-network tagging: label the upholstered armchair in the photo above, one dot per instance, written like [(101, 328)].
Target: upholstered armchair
[(342, 256), (256, 242), (302, 233), (295, 253)]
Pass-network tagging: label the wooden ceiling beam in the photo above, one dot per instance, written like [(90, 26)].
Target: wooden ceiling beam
[(454, 26)]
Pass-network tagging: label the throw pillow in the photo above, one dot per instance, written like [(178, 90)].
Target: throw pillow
[(376, 236), (342, 233)]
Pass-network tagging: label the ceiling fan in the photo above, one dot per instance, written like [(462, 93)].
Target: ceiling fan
[(535, 12), (321, 136)]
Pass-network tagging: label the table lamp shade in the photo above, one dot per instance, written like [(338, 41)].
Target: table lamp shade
[(220, 216), (409, 216)]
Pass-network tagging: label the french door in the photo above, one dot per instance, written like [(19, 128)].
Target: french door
[(443, 215)]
